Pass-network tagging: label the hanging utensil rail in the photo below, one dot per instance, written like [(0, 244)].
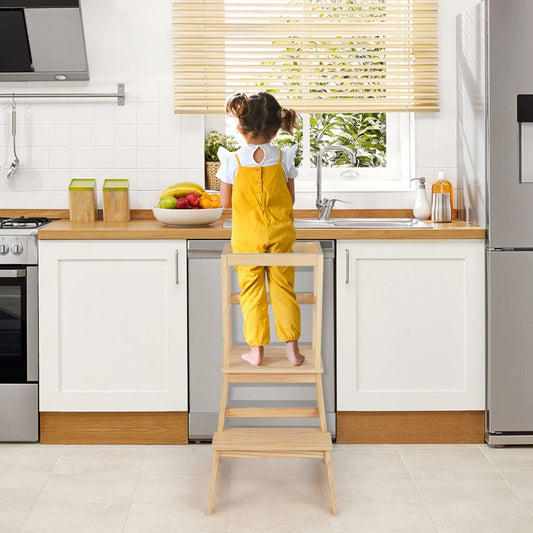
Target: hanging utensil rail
[(120, 95)]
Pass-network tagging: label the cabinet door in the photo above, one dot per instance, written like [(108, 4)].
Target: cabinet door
[(410, 325), (113, 325)]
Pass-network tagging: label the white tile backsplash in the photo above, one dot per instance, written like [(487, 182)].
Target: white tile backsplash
[(126, 157)]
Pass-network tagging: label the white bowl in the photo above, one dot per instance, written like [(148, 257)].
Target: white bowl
[(187, 217)]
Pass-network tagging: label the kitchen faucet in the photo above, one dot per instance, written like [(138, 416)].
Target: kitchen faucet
[(325, 205)]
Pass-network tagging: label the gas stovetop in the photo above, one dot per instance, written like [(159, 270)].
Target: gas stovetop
[(18, 240), (22, 223)]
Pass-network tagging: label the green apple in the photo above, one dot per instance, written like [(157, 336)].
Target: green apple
[(167, 202)]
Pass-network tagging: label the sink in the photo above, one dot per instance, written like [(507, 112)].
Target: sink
[(379, 223), (302, 223), (299, 223), (361, 223), (355, 223)]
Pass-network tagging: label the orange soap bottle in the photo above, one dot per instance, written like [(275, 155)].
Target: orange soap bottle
[(443, 185)]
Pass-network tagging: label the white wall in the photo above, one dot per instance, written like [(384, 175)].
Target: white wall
[(144, 141)]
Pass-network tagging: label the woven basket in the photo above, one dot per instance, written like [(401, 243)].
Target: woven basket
[(211, 180)]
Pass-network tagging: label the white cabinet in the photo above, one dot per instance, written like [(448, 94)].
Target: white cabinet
[(410, 325), (113, 325)]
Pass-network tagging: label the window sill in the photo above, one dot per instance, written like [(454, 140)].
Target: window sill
[(361, 186)]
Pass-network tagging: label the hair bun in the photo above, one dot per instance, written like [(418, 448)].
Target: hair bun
[(238, 105)]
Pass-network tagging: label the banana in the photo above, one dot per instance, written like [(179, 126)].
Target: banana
[(182, 189)]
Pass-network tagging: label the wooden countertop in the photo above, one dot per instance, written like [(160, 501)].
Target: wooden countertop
[(151, 229)]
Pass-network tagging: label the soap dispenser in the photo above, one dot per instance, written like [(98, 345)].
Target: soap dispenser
[(422, 209)]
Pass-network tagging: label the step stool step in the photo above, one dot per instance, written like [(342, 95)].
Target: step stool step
[(274, 362), (272, 439)]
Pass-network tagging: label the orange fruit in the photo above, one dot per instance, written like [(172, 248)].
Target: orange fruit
[(205, 202)]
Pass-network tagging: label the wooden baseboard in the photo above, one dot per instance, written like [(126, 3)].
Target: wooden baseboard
[(410, 427), (114, 428)]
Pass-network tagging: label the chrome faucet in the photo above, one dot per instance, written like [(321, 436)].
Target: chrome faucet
[(325, 205)]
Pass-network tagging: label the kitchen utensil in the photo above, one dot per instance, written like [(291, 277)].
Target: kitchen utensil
[(187, 217), (441, 207), (15, 163)]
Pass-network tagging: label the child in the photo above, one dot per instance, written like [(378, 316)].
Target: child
[(257, 181)]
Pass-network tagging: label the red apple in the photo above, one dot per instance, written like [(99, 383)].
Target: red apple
[(182, 203), (192, 198), (195, 207)]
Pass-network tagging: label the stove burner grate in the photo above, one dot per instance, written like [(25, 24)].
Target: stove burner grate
[(23, 222)]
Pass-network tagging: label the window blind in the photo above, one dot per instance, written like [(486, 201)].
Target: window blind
[(313, 55)]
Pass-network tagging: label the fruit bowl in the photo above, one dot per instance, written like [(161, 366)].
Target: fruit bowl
[(187, 217)]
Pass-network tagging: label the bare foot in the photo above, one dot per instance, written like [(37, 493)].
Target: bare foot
[(254, 356), (293, 353)]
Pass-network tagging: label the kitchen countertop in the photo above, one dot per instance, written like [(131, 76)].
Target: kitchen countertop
[(147, 228)]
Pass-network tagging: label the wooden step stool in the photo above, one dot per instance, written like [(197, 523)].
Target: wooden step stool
[(273, 441)]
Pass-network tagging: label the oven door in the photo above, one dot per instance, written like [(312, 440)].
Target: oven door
[(18, 324)]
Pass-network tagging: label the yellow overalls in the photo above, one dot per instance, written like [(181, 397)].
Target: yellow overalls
[(263, 221)]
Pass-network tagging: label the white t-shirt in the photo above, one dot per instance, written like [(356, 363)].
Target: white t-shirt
[(229, 166)]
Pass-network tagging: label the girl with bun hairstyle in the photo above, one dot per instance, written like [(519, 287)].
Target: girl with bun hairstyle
[(257, 182)]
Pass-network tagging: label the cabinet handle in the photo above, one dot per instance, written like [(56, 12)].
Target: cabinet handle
[(177, 268), (347, 276)]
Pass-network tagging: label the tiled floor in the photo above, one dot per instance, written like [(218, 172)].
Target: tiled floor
[(150, 489)]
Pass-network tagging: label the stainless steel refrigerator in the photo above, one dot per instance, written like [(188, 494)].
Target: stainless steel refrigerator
[(509, 211)]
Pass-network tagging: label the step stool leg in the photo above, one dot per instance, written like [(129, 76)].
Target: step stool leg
[(320, 402), (331, 485), (214, 471), (223, 403)]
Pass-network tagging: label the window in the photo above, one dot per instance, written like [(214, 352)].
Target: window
[(329, 59), (320, 56), (381, 142)]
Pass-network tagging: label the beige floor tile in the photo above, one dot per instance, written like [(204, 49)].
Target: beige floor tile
[(466, 526), (101, 460), (392, 487), (189, 459), (13, 516), (301, 516), (77, 518), (88, 488), (189, 490), (445, 458), (21, 488), (521, 483), (274, 487), (462, 486), (514, 459), (383, 517), (377, 459), (529, 507), (262, 465), (29, 458), (478, 512), (175, 517)]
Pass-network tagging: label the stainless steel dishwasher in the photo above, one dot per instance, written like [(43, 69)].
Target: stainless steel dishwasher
[(205, 345)]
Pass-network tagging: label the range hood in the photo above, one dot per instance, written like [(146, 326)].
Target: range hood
[(42, 40)]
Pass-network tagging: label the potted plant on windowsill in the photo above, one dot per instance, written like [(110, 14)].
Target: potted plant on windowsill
[(213, 142)]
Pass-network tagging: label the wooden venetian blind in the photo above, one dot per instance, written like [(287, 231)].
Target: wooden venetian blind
[(313, 55)]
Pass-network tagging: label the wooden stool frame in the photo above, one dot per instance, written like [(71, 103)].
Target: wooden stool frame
[(273, 441)]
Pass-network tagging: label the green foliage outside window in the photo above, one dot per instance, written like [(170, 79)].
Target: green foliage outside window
[(364, 133)]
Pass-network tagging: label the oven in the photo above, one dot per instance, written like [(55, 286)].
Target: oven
[(19, 333)]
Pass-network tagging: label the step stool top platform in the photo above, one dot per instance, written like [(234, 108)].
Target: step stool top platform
[(307, 253)]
